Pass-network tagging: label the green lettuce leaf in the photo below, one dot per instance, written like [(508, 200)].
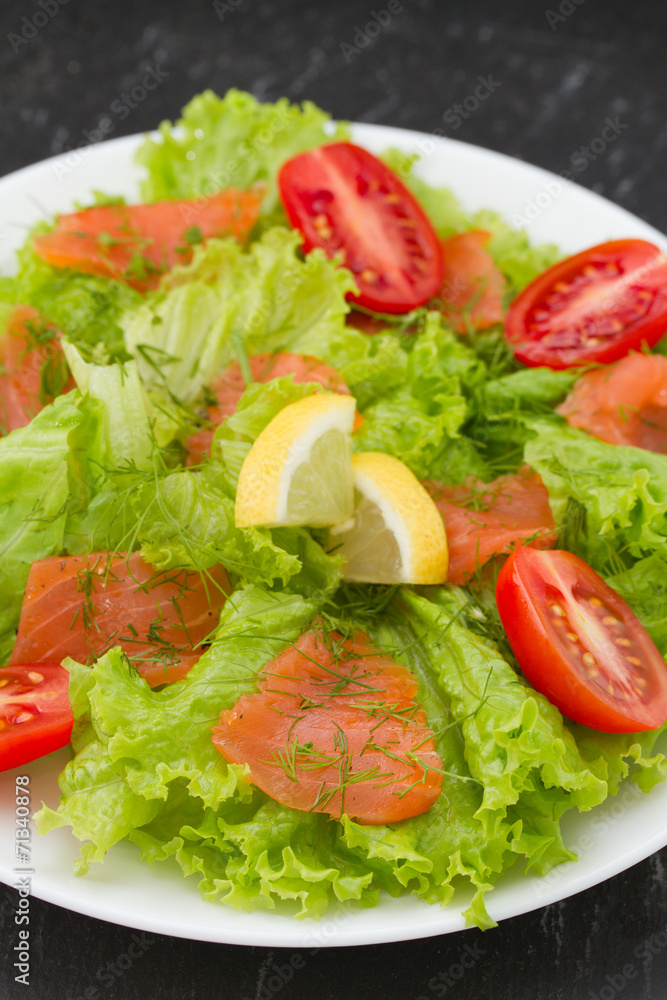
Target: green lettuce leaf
[(644, 587), (262, 298), (132, 742), (510, 770), (258, 405), (418, 420), (529, 389), (511, 249), (186, 518), (35, 495), (119, 393), (502, 409), (230, 141), (86, 308), (621, 490), (503, 719)]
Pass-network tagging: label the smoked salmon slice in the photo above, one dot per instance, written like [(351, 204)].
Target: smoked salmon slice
[(229, 387), (82, 606), (33, 369), (336, 728), (138, 243), (624, 403), (473, 287), (488, 519)]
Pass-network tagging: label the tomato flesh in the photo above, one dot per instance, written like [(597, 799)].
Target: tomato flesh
[(35, 714), (593, 307), (625, 403), (33, 370), (138, 243), (336, 728), (82, 606), (471, 295), (348, 203), (231, 385), (579, 644)]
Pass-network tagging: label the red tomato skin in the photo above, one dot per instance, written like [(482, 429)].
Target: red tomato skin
[(51, 727), (523, 596), (473, 288), (156, 231), (637, 266), (347, 202), (21, 363), (230, 386)]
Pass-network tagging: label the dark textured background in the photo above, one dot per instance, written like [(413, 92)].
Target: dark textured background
[(559, 81)]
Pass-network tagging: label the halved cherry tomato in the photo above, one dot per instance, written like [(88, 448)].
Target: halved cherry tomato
[(625, 403), (230, 386), (336, 728), (33, 370), (82, 606), (593, 307), (472, 292), (347, 202), (579, 644), (138, 243), (35, 714)]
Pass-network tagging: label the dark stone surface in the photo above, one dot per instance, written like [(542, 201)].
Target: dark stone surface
[(560, 76)]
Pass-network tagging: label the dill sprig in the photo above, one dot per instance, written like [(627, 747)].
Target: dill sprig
[(339, 672)]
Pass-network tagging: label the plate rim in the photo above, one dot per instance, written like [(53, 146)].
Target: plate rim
[(297, 933)]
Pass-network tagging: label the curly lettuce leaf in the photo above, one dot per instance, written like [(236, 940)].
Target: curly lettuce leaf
[(644, 588), (503, 720), (503, 407), (119, 393), (186, 518), (511, 768), (230, 141), (621, 490), (518, 259), (259, 404), (133, 742), (35, 494), (529, 389), (263, 298), (418, 420), (86, 308)]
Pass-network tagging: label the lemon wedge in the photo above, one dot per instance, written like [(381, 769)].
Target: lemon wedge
[(299, 470), (397, 534)]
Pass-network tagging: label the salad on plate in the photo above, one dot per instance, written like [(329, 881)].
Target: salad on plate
[(333, 531)]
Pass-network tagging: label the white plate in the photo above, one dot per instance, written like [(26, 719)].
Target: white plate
[(610, 839)]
